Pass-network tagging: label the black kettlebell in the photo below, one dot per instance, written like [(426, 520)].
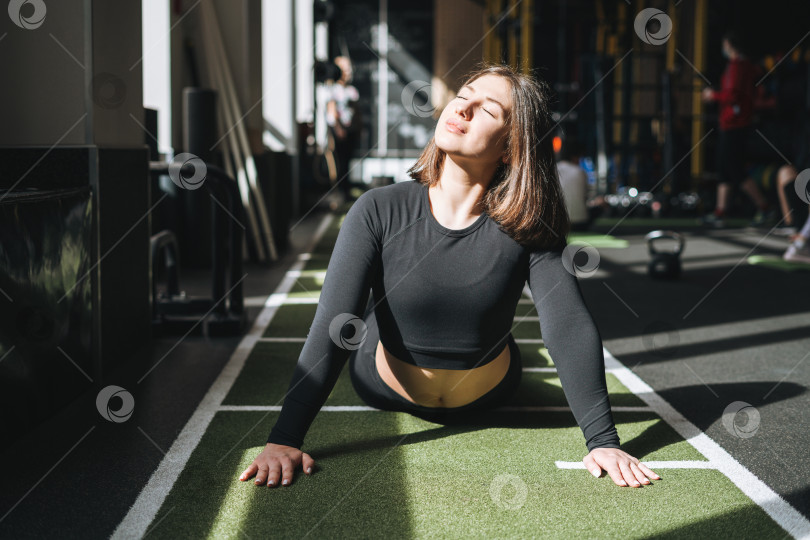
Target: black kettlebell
[(664, 264)]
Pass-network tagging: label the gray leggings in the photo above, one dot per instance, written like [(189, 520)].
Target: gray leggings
[(371, 388)]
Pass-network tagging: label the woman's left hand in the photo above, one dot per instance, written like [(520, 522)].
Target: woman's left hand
[(623, 468)]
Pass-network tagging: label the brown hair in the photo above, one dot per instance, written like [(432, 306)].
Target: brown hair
[(524, 196)]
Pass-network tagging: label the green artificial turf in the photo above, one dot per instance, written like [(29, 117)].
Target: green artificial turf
[(391, 475), (383, 474), (772, 261), (598, 240)]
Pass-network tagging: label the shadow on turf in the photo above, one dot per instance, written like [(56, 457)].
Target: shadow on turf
[(704, 408), (655, 437), (625, 302), (720, 345), (735, 524)]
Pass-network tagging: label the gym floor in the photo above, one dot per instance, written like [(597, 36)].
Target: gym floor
[(727, 331)]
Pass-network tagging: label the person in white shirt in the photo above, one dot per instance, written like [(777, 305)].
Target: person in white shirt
[(574, 181), (342, 121)]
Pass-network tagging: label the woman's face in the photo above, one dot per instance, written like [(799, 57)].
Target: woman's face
[(474, 124)]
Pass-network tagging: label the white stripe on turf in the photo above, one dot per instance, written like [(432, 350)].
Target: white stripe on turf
[(354, 408), (775, 506), (151, 497), (277, 299), (651, 464)]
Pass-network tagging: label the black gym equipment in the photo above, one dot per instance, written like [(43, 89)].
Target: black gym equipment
[(223, 314), (664, 264)]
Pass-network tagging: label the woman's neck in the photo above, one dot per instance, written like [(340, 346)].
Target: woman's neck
[(461, 187)]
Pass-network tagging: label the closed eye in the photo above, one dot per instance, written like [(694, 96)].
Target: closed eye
[(485, 110)]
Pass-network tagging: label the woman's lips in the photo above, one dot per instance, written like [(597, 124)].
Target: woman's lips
[(454, 127)]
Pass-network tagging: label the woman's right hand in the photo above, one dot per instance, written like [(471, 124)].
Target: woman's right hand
[(275, 460)]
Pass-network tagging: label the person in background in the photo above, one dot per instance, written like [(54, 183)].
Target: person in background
[(799, 248), (766, 182), (736, 99), (574, 181), (582, 210), (342, 122), (792, 208)]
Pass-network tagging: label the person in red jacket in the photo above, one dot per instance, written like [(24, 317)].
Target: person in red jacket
[(736, 99)]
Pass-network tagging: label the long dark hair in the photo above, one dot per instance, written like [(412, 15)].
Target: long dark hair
[(524, 196)]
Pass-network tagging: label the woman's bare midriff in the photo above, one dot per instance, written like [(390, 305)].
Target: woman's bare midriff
[(433, 387)]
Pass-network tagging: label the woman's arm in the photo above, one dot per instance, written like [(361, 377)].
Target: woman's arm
[(346, 287), (574, 344)]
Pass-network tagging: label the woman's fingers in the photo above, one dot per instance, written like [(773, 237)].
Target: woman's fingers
[(250, 471), (623, 469), (592, 466), (640, 476), (628, 475), (307, 463), (286, 471), (615, 474), (261, 476), (275, 468), (649, 472), (275, 472)]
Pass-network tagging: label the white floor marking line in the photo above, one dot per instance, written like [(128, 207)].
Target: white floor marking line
[(651, 464), (529, 340), (151, 497), (775, 506), (307, 273), (540, 370), (356, 408), (790, 519), (277, 299)]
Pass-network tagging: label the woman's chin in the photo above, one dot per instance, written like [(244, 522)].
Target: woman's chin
[(448, 147)]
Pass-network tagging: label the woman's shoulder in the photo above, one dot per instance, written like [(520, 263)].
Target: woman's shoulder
[(403, 192), (392, 200), (392, 207)]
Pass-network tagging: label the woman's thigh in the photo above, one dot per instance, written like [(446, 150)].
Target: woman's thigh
[(365, 378)]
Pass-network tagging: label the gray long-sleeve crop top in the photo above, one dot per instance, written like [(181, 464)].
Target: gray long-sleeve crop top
[(444, 298)]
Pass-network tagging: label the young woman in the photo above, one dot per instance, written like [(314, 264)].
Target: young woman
[(446, 256)]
